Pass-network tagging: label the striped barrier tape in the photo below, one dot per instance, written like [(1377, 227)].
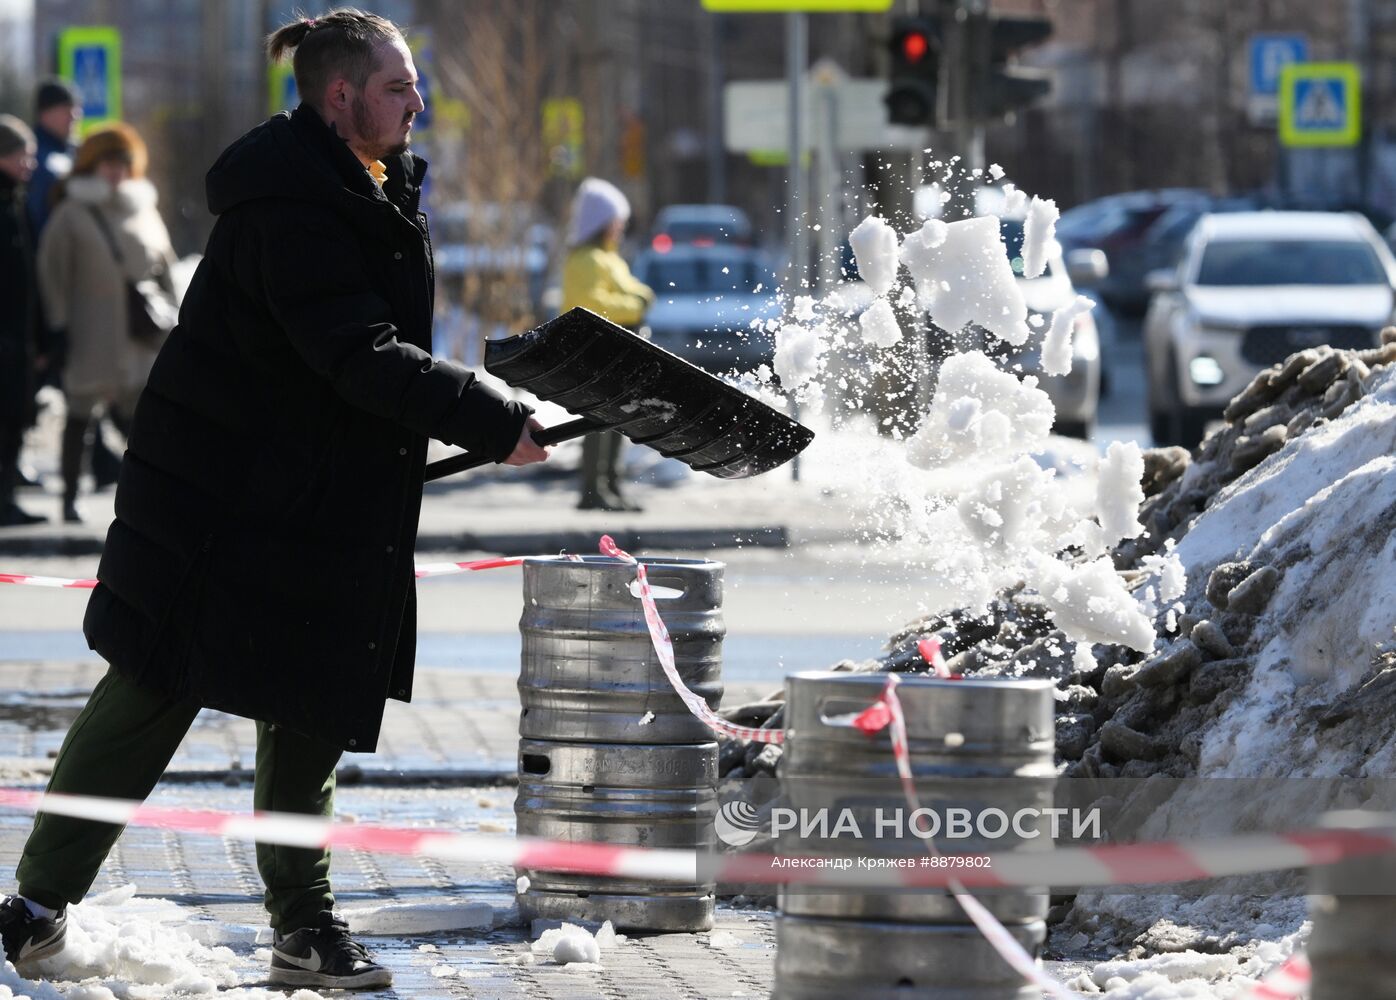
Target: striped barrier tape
[(664, 650), (929, 648), (1289, 981), (423, 570), (1076, 867)]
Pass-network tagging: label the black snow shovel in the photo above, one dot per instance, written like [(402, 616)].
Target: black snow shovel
[(613, 380)]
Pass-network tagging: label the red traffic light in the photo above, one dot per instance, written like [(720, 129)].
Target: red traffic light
[(915, 45)]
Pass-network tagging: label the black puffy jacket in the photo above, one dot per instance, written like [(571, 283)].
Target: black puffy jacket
[(261, 558)]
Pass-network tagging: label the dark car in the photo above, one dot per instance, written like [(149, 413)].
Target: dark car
[(1119, 224), (705, 301), (700, 226)]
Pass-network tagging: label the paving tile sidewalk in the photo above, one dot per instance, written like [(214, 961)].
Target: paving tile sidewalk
[(215, 881), (461, 727)]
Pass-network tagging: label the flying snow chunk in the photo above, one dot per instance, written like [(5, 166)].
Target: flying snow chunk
[(1039, 236), (1056, 345), (1090, 604), (996, 171), (1119, 491), (981, 414), (879, 325), (966, 278), (1004, 509), (1014, 201), (874, 245), (798, 350)]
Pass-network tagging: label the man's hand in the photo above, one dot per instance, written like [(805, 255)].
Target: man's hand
[(527, 451)]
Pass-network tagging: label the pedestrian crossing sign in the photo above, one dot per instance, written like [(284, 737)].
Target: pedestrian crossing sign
[(90, 59), (1320, 104)]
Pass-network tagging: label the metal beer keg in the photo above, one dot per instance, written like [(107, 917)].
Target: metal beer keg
[(614, 793), (979, 747), (589, 672)]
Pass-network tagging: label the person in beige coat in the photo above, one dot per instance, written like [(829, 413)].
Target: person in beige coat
[(84, 286)]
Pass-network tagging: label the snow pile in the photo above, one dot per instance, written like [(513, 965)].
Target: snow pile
[(574, 945), (122, 946), (1188, 973)]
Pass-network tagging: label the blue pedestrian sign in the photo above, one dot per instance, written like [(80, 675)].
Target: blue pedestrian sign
[(1270, 54), (1321, 104), (90, 59)]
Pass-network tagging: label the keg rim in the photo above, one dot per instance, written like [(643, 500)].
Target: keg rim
[(915, 681), (607, 562)]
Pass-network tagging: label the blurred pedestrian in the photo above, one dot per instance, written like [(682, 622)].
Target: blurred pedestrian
[(105, 232), (56, 113), (596, 277), (19, 321), (261, 560)]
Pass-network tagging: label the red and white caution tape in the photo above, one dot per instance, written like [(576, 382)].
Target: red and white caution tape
[(886, 713), (929, 648), (664, 650), (1108, 865), (46, 581), (423, 570), (449, 568), (1290, 980)]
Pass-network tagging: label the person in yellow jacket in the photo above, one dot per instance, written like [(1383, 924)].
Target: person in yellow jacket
[(596, 277)]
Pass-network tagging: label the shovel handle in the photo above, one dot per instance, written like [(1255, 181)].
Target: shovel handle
[(547, 436)]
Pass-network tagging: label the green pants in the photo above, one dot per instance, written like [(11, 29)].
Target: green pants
[(601, 481), (120, 745)]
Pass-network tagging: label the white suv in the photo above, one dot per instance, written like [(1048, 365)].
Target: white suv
[(1251, 289)]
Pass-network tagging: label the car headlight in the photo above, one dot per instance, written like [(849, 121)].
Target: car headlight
[(1206, 371)]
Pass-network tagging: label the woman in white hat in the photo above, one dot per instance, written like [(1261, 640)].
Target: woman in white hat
[(596, 277)]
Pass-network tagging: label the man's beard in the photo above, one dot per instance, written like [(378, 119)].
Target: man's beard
[(363, 125)]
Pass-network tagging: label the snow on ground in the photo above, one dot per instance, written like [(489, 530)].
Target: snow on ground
[(121, 946), (573, 945), (1188, 974), (403, 919)]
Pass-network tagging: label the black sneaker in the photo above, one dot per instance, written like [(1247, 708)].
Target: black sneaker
[(28, 938), (324, 955)]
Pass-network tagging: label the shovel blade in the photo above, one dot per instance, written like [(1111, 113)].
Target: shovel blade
[(603, 372)]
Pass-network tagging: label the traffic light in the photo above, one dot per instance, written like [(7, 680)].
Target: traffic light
[(1011, 87), (915, 50)]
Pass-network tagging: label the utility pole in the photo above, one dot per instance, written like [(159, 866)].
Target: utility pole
[(1360, 41), (717, 167), (796, 63), (796, 234)]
